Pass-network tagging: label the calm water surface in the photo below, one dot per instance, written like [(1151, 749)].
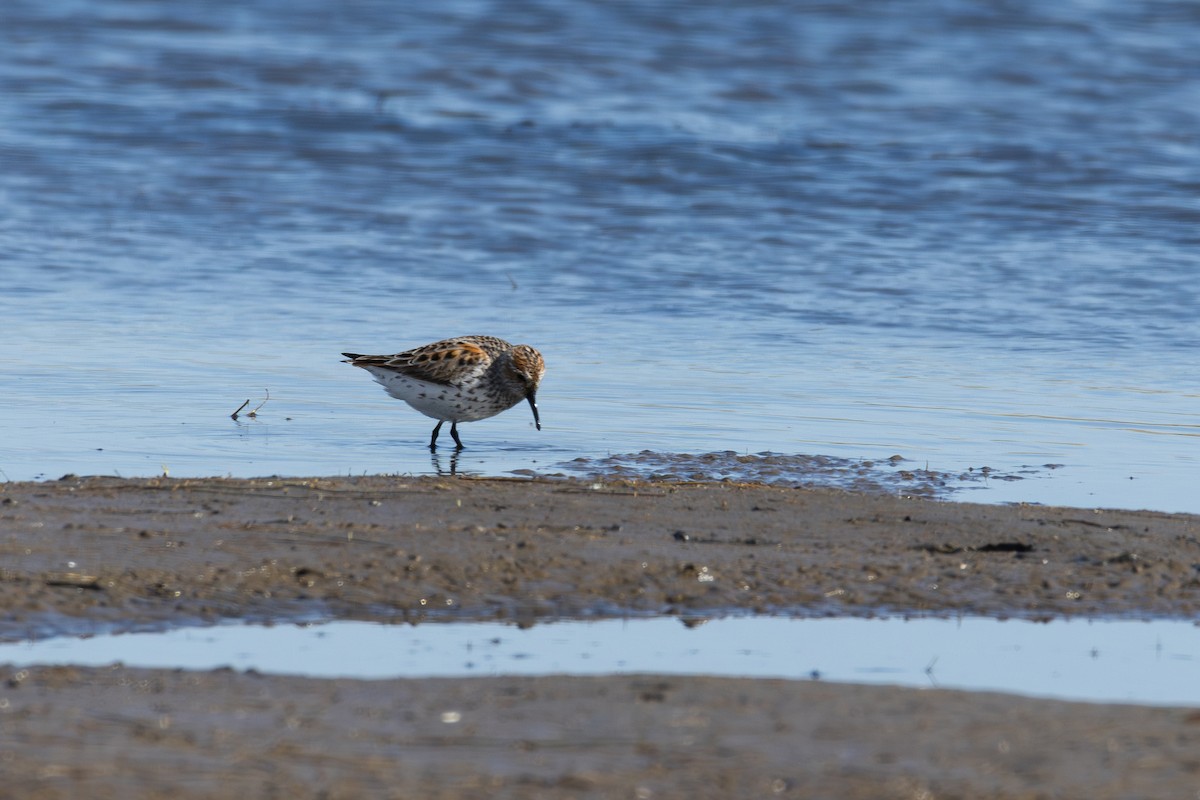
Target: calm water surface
[(1121, 661), (961, 232)]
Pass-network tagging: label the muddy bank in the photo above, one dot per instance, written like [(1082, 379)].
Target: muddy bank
[(125, 733), (77, 552), (82, 554)]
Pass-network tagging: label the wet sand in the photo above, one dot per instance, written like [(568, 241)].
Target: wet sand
[(100, 553)]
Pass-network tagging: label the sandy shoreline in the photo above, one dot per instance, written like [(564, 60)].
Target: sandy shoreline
[(78, 554)]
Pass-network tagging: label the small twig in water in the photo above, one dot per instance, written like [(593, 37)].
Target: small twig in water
[(254, 413)]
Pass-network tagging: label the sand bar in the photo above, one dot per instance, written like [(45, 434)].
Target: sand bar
[(84, 554)]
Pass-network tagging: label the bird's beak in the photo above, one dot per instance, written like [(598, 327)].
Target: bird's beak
[(532, 398)]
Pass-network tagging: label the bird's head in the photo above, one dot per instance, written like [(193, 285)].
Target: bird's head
[(527, 368)]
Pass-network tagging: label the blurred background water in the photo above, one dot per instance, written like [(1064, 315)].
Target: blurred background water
[(960, 231)]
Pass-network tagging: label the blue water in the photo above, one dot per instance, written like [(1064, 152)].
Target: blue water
[(961, 232), (1121, 661)]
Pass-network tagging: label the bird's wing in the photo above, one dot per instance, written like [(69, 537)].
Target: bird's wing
[(441, 362)]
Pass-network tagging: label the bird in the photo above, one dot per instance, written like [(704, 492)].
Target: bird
[(463, 379)]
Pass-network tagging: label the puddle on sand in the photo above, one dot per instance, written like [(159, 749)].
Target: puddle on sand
[(893, 475), (1153, 663)]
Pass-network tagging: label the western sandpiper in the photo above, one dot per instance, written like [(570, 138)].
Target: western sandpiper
[(459, 380)]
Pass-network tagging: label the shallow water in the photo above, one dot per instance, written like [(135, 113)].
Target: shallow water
[(1151, 663), (895, 475), (953, 231)]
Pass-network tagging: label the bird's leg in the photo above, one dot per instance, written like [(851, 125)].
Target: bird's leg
[(436, 430), (454, 433)]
